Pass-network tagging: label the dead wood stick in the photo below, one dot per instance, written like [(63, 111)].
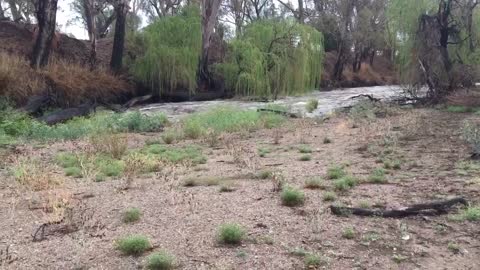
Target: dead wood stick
[(370, 97), (435, 208), (289, 114)]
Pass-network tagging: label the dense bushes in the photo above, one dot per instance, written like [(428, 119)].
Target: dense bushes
[(274, 57), (170, 50), (70, 84)]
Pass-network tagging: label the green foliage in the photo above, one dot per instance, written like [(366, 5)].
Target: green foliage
[(231, 233), (305, 149), (109, 166), (314, 183), (453, 247), (311, 105), (471, 213), (66, 160), (177, 154), (228, 119), (348, 233), (329, 196), (313, 260), (133, 245), (378, 176), (345, 183), (274, 57), (73, 172), (305, 158), (131, 215), (160, 261), (264, 174), (292, 197), (171, 52), (471, 134), (460, 109), (335, 172)]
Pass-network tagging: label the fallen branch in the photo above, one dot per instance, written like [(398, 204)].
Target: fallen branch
[(434, 208), (370, 97), (67, 114), (288, 114)]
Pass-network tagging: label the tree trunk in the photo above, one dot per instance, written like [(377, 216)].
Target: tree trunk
[(16, 16), (209, 16), (301, 14), (89, 7), (46, 13), (2, 14), (121, 10)]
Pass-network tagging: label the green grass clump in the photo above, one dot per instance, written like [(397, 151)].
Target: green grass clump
[(314, 183), (133, 244), (169, 136), (336, 172), (305, 158), (160, 261), (345, 183), (292, 197), (305, 149), (313, 260), (471, 213), (348, 233), (264, 174), (378, 176), (231, 233), (329, 196), (461, 109), (300, 252), (131, 215), (453, 247), (311, 105), (228, 119), (262, 152), (67, 160), (74, 172), (177, 154), (109, 167)]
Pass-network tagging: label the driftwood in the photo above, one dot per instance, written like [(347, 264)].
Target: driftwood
[(36, 103), (433, 208), (67, 114), (134, 101), (288, 114), (370, 97)]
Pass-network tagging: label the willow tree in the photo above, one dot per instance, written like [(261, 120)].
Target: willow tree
[(274, 57), (171, 52)]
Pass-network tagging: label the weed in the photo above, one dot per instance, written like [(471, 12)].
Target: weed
[(471, 213), (264, 174), (74, 172), (364, 204), (305, 158), (170, 154), (34, 175), (305, 149), (329, 196), (348, 233), (453, 247), (169, 136), (67, 160), (336, 172), (314, 183), (133, 244), (160, 261), (231, 233), (471, 134), (313, 260), (131, 215), (300, 252), (262, 152), (378, 176), (311, 105), (292, 197), (345, 183), (461, 109), (278, 181), (114, 145), (109, 167)]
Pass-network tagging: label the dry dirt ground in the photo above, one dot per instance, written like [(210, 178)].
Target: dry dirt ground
[(184, 220)]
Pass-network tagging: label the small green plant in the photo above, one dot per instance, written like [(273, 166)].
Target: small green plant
[(265, 175), (345, 183), (453, 247), (231, 233), (348, 233), (336, 172), (471, 213), (399, 258), (67, 160), (313, 260), (305, 149), (73, 172), (329, 196), (292, 197), (311, 105), (131, 215), (300, 252), (241, 254), (305, 158), (262, 152), (314, 183), (327, 140), (160, 261), (169, 136), (364, 204), (378, 176), (461, 109), (133, 245)]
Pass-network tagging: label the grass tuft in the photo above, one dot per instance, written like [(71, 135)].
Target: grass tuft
[(348, 233), (160, 261), (131, 215), (329, 196), (231, 234), (378, 176), (314, 183), (345, 183), (305, 158), (292, 197), (133, 244), (74, 172), (336, 172), (311, 105)]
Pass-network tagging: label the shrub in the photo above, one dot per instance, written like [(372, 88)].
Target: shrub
[(35, 175), (109, 167), (314, 183), (67, 160), (231, 233), (348, 233), (345, 183), (172, 154), (329, 196), (265, 175), (133, 244), (453, 247), (160, 261), (335, 172), (311, 105), (74, 172), (114, 145), (377, 176), (313, 260), (471, 134), (305, 158), (292, 197), (169, 136), (131, 215), (305, 149)]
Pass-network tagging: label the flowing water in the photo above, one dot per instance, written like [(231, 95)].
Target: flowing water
[(327, 102)]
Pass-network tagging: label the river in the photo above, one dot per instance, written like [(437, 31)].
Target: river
[(327, 102)]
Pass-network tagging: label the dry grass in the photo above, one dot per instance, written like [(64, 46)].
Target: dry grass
[(72, 83), (467, 98), (34, 175), (114, 145)]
